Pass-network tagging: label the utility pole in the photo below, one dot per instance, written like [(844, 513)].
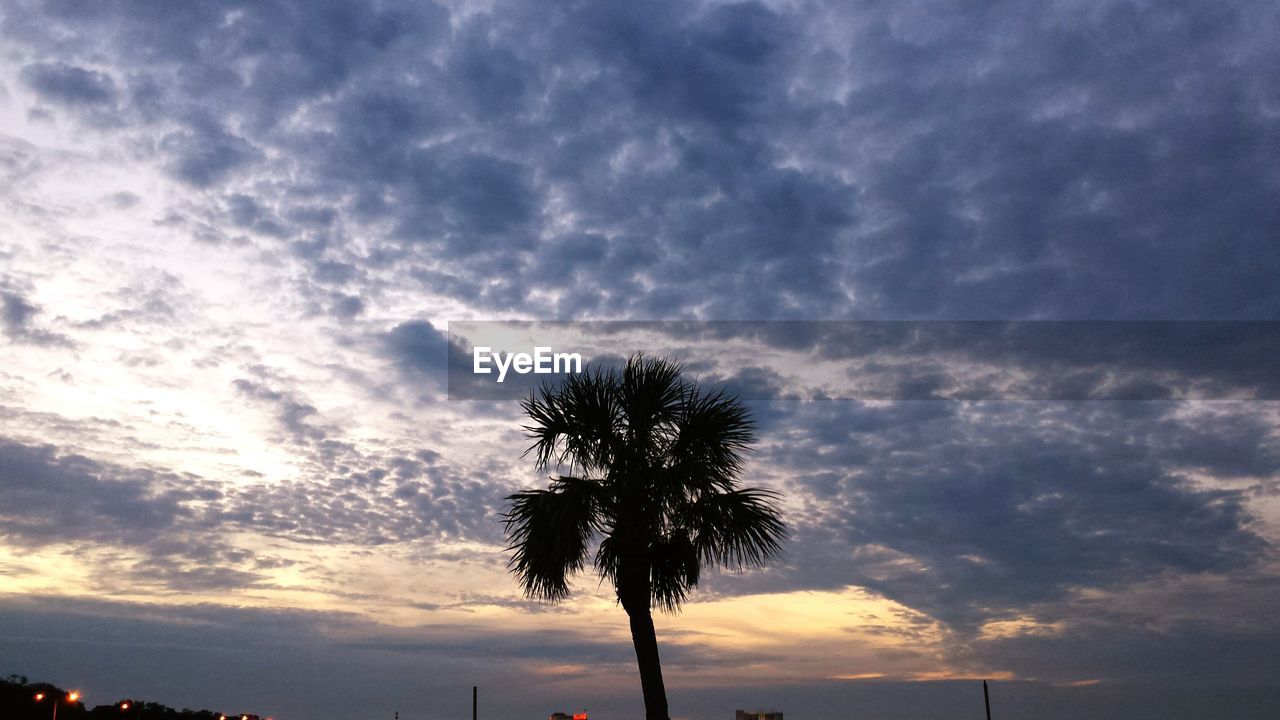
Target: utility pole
[(475, 691), (986, 698)]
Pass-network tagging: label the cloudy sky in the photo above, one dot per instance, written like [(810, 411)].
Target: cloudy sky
[(234, 236)]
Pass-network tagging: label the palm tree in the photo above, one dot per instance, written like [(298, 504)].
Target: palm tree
[(652, 467)]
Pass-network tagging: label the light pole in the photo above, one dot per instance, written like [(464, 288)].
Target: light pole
[(71, 697)]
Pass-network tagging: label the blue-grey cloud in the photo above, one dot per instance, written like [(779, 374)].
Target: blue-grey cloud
[(62, 83), (339, 665), (317, 648), (854, 161), (18, 323), (1099, 161), (935, 360), (978, 511), (177, 524)]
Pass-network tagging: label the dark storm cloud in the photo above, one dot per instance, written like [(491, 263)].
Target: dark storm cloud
[(205, 153), (245, 212), (737, 161), (48, 495), (62, 83), (425, 353), (976, 511), (1075, 360), (1078, 360), (1225, 650)]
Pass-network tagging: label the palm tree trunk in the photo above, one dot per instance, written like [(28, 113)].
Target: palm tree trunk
[(646, 642)]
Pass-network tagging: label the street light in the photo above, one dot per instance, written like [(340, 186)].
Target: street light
[(72, 696)]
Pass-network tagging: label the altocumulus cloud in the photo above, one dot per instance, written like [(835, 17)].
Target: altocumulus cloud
[(380, 165), (873, 161), (179, 525)]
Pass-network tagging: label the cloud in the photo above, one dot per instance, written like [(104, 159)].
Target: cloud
[(69, 85), (976, 511), (1076, 169), (419, 349), (348, 665), (178, 527), (205, 153), (295, 415), (354, 172), (18, 320), (54, 499), (51, 497)]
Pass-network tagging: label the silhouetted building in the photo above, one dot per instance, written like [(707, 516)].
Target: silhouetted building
[(758, 715), (561, 716)]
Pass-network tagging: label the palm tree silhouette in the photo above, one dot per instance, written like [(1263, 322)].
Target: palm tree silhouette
[(653, 465)]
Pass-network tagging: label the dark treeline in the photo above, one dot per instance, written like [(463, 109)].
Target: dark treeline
[(18, 702)]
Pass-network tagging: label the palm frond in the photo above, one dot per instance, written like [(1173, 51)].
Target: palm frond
[(673, 570), (576, 423), (650, 393), (608, 560), (712, 433), (737, 529), (549, 532)]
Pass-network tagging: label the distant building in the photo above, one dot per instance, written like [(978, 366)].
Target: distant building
[(566, 716), (758, 715)]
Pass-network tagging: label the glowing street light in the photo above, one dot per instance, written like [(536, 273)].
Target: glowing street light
[(72, 696)]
